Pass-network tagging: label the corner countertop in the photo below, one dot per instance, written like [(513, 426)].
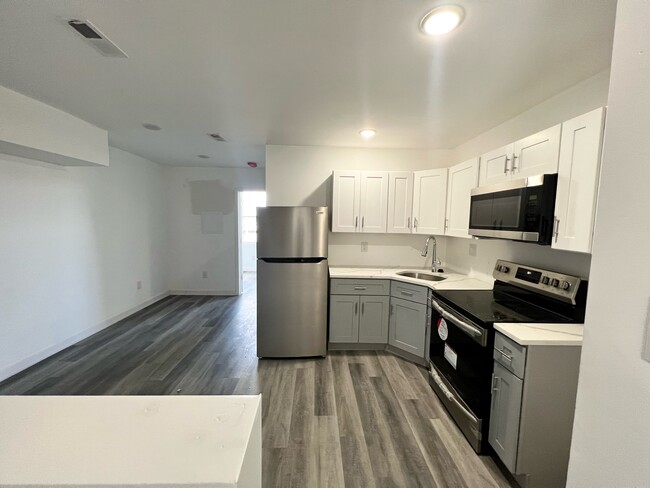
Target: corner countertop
[(453, 281), (543, 334)]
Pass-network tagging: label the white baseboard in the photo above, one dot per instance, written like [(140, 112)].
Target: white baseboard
[(217, 293), (19, 366)]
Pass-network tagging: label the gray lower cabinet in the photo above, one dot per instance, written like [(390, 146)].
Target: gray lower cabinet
[(533, 401), (359, 319), (408, 326), (504, 420)]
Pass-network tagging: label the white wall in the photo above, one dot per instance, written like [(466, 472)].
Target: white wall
[(579, 99), (73, 244), (611, 435), (301, 175), (192, 251)]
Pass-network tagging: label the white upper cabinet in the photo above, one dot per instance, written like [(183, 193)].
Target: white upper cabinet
[(373, 208), (578, 177), (462, 178), (536, 154), (400, 202), (495, 165), (360, 201), (346, 196), (530, 156), (429, 201)]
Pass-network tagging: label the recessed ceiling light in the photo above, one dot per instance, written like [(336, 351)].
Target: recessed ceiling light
[(367, 133), (203, 156), (151, 126), (442, 20)]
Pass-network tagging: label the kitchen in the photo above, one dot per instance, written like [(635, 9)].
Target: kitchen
[(300, 173)]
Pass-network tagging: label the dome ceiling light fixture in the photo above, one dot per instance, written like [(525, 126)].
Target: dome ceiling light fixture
[(367, 133), (442, 20)]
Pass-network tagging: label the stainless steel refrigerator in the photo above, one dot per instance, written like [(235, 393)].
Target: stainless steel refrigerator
[(292, 279)]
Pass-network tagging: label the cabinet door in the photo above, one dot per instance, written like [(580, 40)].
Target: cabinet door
[(400, 202), (373, 321), (537, 154), (374, 201), (408, 326), (496, 166), (346, 196), (505, 415), (577, 185), (429, 201), (462, 178), (344, 318)]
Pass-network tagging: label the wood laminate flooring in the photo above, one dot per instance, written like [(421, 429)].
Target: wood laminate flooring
[(354, 419)]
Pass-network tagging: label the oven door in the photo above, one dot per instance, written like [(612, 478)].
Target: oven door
[(460, 356)]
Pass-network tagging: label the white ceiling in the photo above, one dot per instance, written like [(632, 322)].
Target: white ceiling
[(303, 72)]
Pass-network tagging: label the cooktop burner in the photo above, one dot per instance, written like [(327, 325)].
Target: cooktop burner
[(490, 306)]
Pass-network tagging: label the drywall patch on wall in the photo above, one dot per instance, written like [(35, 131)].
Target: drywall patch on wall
[(212, 196)]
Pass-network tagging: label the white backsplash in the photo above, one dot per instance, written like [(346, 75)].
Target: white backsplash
[(385, 250)]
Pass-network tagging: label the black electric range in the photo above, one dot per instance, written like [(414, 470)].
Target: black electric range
[(462, 335)]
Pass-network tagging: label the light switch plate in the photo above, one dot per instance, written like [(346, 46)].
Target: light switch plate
[(645, 353), (472, 249), (364, 246)]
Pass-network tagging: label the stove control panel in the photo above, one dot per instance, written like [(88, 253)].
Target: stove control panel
[(557, 285)]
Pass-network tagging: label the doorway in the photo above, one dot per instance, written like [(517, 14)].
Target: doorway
[(249, 201)]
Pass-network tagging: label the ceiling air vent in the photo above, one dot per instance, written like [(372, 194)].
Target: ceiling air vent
[(217, 137), (96, 39)]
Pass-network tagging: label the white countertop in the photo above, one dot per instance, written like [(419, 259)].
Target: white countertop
[(175, 441), (453, 281), (543, 334)]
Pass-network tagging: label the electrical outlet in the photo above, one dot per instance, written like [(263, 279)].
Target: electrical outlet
[(204, 275), (364, 246), (139, 285), (472, 249)]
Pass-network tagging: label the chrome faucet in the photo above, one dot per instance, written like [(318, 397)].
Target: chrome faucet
[(434, 258)]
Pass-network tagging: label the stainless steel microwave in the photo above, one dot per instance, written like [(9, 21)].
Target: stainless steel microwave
[(518, 210)]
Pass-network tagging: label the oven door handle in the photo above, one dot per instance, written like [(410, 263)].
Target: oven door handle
[(474, 332)]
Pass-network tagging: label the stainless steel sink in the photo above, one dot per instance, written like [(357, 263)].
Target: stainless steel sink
[(420, 275)]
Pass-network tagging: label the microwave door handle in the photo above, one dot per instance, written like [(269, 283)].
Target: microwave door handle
[(472, 331)]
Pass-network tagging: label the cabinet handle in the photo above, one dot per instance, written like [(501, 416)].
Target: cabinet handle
[(505, 356), (415, 223), (556, 227), (408, 222), (495, 383), (446, 224), (407, 293), (392, 309), (514, 160), (505, 166), (356, 308), (363, 307), (356, 222), (360, 288), (363, 221)]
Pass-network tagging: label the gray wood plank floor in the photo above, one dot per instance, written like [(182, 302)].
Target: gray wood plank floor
[(354, 419)]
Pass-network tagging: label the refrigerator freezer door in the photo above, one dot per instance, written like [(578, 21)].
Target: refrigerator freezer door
[(292, 232), (291, 309)]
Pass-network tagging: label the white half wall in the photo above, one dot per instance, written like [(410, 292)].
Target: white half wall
[(611, 433), (74, 242), (205, 243), (302, 175)]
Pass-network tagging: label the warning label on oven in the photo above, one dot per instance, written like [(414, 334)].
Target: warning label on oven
[(443, 331), (451, 356)]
